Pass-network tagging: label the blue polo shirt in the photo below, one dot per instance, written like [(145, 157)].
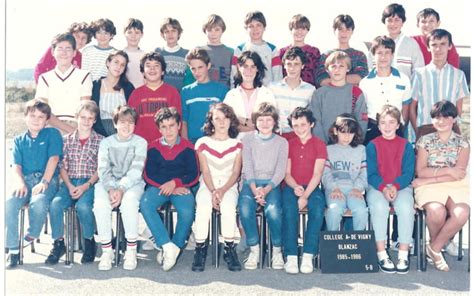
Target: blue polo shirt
[(196, 99), (32, 154)]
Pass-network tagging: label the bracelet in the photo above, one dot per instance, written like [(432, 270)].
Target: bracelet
[(90, 184)]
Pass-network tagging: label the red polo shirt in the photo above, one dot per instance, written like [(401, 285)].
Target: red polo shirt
[(303, 157)]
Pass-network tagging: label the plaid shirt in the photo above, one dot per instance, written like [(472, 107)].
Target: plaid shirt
[(80, 161)]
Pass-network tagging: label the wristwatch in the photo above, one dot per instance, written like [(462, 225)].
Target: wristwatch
[(44, 181)]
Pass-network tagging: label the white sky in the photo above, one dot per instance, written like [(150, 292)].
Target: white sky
[(31, 24)]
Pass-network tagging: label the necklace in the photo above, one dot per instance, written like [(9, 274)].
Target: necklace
[(247, 88)]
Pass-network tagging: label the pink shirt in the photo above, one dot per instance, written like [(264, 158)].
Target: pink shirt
[(303, 157)]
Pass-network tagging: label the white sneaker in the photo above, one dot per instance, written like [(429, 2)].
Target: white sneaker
[(148, 245), (170, 254), (106, 259), (253, 258), (291, 265), (159, 256), (452, 249), (130, 259), (307, 263), (277, 258), (191, 245)]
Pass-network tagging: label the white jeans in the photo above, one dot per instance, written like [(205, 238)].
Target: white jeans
[(228, 208), (128, 208)]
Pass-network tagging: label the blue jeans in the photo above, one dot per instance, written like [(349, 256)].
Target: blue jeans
[(272, 209), (379, 209), (83, 206), (184, 204), (37, 210), (337, 207), (316, 204)]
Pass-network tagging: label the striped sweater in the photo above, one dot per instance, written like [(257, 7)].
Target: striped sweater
[(220, 156), (93, 60)]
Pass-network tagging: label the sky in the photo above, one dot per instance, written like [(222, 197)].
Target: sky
[(31, 24)]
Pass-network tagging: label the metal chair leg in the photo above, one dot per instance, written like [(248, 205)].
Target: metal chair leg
[(460, 245), (22, 234), (215, 229), (117, 238)]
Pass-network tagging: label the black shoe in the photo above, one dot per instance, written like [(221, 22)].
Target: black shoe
[(90, 249), (230, 257), (13, 260), (200, 254), (387, 266), (59, 249)]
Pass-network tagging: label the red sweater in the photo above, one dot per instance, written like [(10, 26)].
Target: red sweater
[(147, 102)]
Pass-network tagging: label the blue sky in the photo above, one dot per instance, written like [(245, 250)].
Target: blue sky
[(31, 24)]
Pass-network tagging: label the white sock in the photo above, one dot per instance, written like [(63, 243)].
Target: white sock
[(382, 255), (255, 248), (276, 250), (402, 255)]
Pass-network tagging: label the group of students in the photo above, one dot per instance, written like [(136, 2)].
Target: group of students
[(140, 143)]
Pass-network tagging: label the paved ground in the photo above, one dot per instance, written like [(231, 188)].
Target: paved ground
[(34, 277)]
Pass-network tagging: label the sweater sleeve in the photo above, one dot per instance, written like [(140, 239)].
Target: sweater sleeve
[(408, 168), (320, 72), (360, 113), (327, 178), (360, 65), (191, 175), (361, 180), (45, 64), (247, 159), (233, 68), (104, 168), (374, 178), (134, 174), (277, 70), (280, 169), (316, 107)]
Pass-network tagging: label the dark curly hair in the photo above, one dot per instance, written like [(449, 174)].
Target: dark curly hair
[(257, 60), (228, 111), (346, 123)]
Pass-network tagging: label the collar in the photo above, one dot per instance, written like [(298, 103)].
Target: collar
[(65, 75), (172, 49), (257, 134), (164, 143), (431, 66), (373, 73)]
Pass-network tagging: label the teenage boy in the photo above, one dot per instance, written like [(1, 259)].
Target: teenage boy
[(220, 54), (384, 85), (255, 24), (81, 33), (291, 91), (173, 53), (306, 158), (427, 20), (94, 56), (170, 171), (338, 97), (407, 56), (64, 87), (120, 166), (78, 170), (36, 154), (299, 27), (435, 82), (152, 96), (133, 33), (199, 95), (343, 26)]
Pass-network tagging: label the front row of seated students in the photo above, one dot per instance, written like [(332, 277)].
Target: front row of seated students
[(118, 166)]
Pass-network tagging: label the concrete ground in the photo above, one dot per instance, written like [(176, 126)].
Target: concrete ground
[(34, 277)]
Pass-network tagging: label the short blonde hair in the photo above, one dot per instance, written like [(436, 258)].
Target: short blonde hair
[(337, 56)]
